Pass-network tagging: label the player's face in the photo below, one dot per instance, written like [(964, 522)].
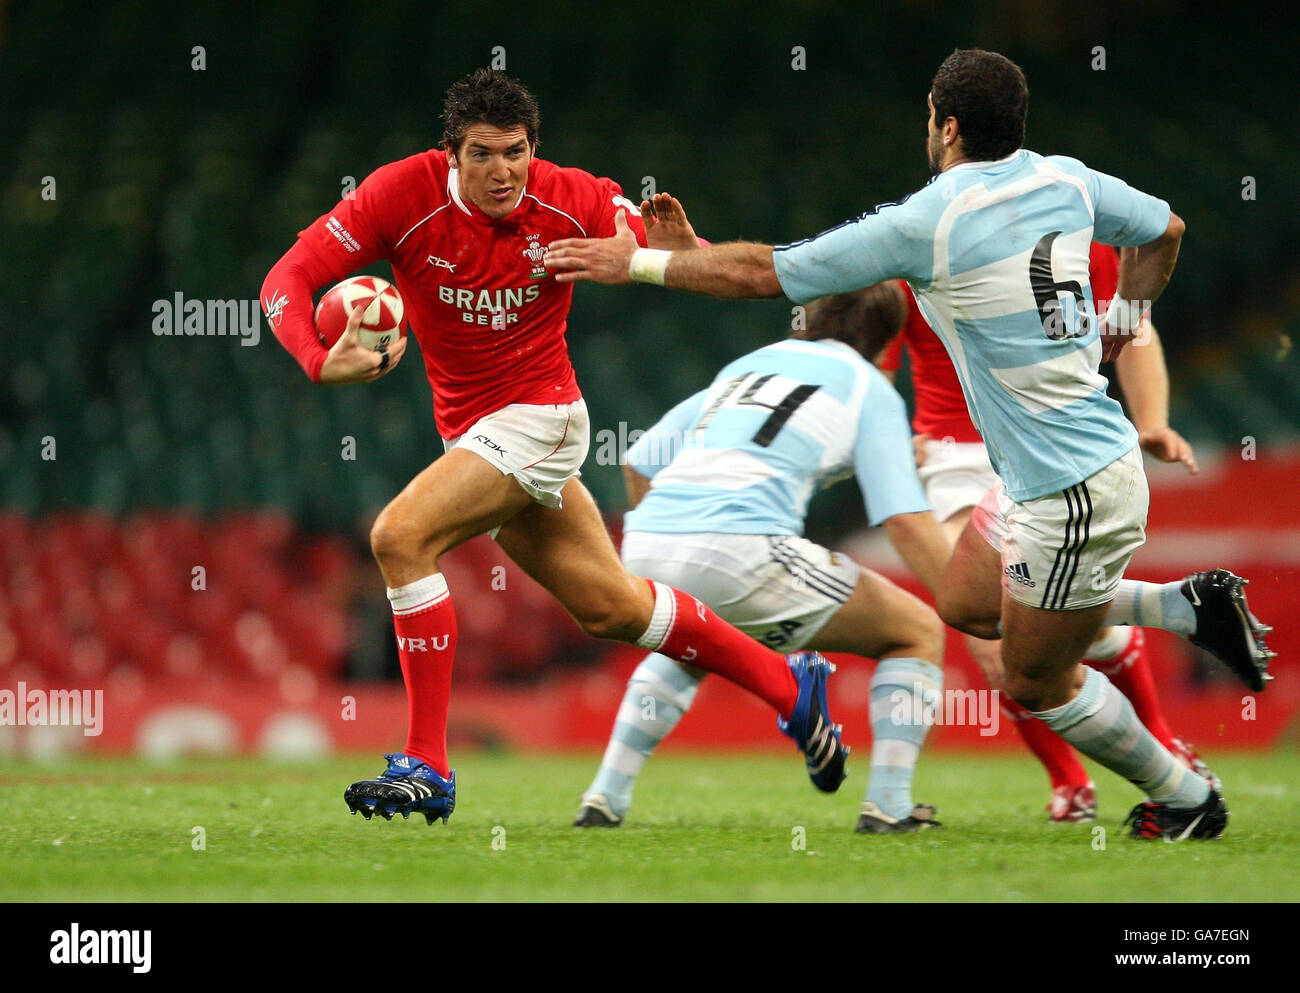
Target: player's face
[(493, 166), (934, 139)]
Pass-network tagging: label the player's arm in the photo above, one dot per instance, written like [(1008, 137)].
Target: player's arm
[(882, 457), (1144, 378), (658, 446), (337, 244), (1144, 272), (889, 362), (1149, 235), (886, 243), (920, 543), (635, 485), (732, 270), (286, 300)]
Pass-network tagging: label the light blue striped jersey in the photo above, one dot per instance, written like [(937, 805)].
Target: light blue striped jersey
[(997, 256), (745, 455)]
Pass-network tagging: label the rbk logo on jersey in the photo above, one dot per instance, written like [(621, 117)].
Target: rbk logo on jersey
[(438, 263), (1020, 573)]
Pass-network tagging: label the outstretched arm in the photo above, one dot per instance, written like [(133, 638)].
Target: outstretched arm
[(892, 241), (736, 269)]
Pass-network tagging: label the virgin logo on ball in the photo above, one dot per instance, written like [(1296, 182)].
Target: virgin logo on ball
[(381, 323)]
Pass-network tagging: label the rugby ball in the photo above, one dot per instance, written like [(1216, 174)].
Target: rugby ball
[(381, 324)]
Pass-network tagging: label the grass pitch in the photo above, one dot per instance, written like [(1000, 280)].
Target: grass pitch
[(705, 827)]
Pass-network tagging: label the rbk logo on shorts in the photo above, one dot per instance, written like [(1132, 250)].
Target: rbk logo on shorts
[(483, 439), (1020, 573)]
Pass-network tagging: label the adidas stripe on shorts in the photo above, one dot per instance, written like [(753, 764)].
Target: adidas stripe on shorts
[(778, 589), (1069, 550)]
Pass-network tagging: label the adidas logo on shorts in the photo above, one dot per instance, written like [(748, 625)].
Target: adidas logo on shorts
[(1020, 573)]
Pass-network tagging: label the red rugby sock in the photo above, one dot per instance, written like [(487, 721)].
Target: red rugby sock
[(685, 629), (426, 642)]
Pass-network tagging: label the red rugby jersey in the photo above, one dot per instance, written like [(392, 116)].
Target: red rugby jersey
[(489, 318), (940, 405)]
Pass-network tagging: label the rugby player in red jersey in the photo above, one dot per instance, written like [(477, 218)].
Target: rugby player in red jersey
[(955, 470), (466, 229)]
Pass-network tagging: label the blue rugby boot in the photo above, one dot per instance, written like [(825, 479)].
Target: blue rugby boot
[(406, 787), (810, 724)]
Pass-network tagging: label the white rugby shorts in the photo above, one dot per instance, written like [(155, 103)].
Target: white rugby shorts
[(542, 445), (778, 589), (1069, 550), (956, 475)]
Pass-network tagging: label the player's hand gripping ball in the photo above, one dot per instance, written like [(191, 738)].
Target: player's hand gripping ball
[(381, 324)]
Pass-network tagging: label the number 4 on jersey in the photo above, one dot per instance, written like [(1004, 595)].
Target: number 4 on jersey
[(781, 411)]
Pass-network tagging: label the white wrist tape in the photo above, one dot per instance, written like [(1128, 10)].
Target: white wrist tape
[(1124, 315), (648, 265)]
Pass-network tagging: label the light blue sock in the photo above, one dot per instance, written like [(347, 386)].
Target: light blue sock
[(1101, 723), (905, 695), (658, 694), (1153, 605)]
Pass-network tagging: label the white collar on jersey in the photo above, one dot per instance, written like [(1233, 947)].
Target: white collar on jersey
[(985, 163), (453, 191)]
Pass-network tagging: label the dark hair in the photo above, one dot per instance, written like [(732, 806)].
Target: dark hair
[(988, 95), (487, 96), (866, 319)]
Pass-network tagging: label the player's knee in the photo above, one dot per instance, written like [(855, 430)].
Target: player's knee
[(958, 612), (925, 635), (610, 621), (610, 611), (1029, 692), (393, 541), (931, 636), (952, 611)]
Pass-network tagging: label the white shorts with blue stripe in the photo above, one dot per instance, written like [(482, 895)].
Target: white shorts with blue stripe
[(1069, 550), (778, 589)]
